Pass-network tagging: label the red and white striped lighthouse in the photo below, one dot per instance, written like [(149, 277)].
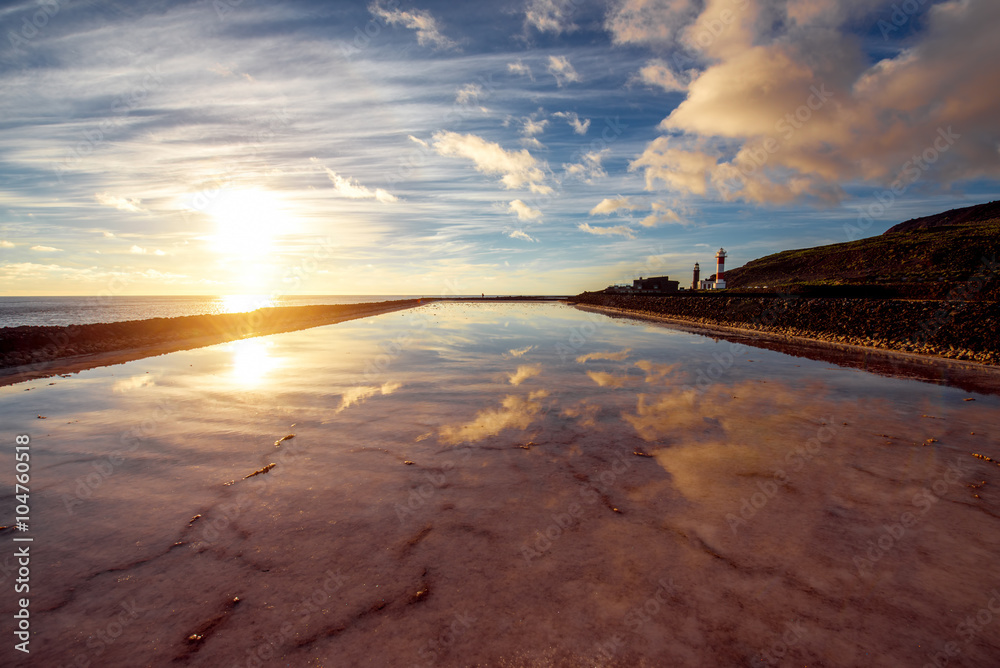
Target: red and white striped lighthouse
[(720, 268)]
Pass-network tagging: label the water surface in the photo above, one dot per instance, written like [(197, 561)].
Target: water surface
[(505, 485)]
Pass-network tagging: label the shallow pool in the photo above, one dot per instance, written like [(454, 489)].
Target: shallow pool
[(502, 485)]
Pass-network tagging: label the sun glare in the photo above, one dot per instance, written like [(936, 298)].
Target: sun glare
[(244, 303), (252, 361), (247, 222)]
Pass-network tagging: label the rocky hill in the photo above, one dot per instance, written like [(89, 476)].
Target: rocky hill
[(950, 255)]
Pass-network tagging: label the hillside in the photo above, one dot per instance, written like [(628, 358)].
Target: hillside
[(948, 255)]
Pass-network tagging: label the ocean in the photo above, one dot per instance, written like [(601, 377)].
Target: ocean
[(16, 311)]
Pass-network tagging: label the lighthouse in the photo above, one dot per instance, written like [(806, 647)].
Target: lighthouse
[(720, 267), (695, 284)]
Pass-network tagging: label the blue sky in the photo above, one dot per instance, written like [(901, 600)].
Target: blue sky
[(546, 147)]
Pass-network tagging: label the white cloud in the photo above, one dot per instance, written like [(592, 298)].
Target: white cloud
[(108, 235), (562, 70), (470, 92), (120, 203), (616, 230), (649, 21), (812, 114), (521, 69), (137, 250), (607, 206), (532, 127), (6, 244), (46, 249), (518, 169), (549, 15), (523, 211), (351, 189), (657, 73), (524, 372), (518, 234), (589, 168), (421, 142), (571, 117), (661, 214), (531, 142), (426, 25), (357, 395)]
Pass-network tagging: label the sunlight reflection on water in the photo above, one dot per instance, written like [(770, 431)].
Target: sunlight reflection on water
[(543, 471)]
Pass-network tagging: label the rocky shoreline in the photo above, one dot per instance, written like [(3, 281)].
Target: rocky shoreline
[(960, 330), (35, 352)]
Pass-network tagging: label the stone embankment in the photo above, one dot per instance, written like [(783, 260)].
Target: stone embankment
[(40, 348), (963, 330)]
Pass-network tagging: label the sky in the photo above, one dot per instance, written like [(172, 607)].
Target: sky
[(513, 147)]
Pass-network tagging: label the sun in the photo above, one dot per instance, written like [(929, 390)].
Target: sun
[(247, 222)]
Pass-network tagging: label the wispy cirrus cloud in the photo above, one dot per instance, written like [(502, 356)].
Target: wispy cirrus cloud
[(615, 230), (120, 203), (518, 67), (520, 234), (549, 16), (347, 187), (562, 70), (425, 25), (580, 127)]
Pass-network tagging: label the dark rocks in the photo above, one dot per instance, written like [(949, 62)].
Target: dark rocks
[(964, 330)]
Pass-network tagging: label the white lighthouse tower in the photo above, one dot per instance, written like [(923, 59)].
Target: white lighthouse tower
[(720, 268)]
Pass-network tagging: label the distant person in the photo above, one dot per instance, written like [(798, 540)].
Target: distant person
[(483, 294)]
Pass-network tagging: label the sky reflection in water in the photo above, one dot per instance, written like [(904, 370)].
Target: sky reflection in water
[(512, 485)]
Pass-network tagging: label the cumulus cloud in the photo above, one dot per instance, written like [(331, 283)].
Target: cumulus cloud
[(562, 70), (815, 114), (120, 203), (46, 249), (616, 230), (517, 169), (518, 234), (679, 169), (6, 244), (347, 187), (609, 205), (571, 117), (421, 21), (523, 211), (549, 15)]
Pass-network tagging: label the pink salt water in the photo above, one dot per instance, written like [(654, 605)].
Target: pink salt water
[(503, 485)]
